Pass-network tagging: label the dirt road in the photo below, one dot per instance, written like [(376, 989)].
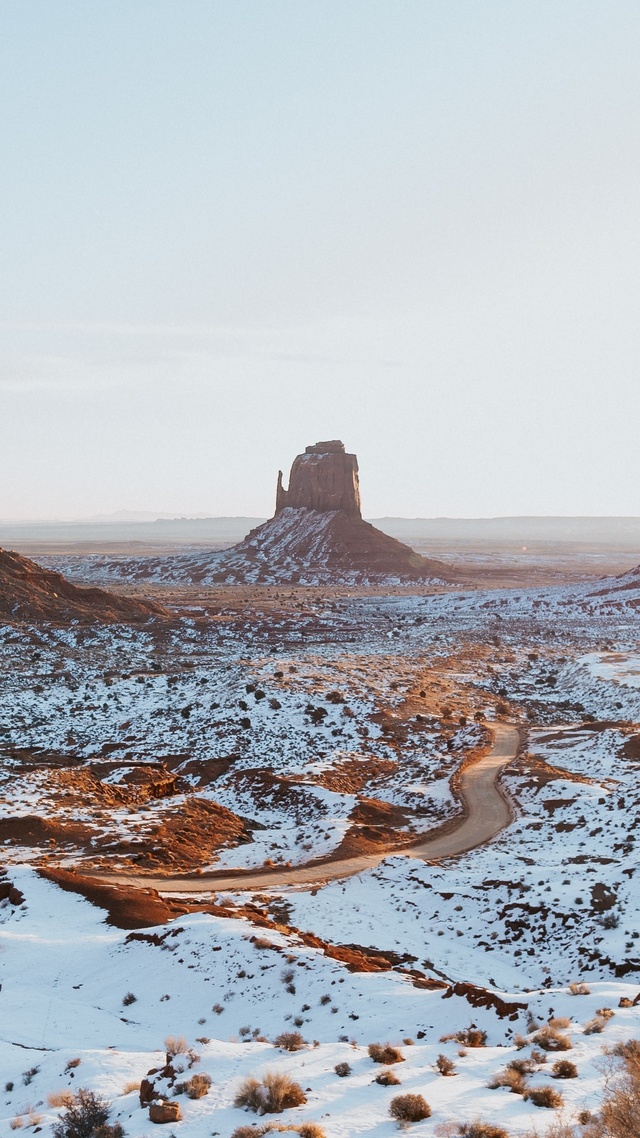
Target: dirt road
[(487, 811)]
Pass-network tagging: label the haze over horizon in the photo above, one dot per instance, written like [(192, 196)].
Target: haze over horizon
[(234, 230)]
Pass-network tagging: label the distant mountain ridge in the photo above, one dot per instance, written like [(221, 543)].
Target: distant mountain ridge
[(229, 530)]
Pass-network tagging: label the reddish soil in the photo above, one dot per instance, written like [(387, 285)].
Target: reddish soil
[(541, 773), (349, 776), (29, 592), (125, 908), (188, 837), (31, 830), (631, 748)]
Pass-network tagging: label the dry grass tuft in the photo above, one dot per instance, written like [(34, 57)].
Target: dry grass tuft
[(60, 1098), (549, 1039), (387, 1079), (384, 1053), (197, 1086), (276, 1092), (579, 988), (409, 1108), (445, 1065), (290, 1041), (564, 1069), (481, 1130), (595, 1026), (175, 1045), (508, 1078), (469, 1036), (544, 1096)]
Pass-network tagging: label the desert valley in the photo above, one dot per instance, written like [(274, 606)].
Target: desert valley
[(318, 833)]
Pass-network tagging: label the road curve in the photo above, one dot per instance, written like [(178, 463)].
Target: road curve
[(486, 812)]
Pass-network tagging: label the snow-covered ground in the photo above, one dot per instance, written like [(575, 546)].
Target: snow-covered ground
[(69, 1021), (332, 720)]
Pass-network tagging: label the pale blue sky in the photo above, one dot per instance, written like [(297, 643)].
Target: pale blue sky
[(231, 229)]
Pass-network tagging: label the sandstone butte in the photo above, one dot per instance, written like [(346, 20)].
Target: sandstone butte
[(318, 533)]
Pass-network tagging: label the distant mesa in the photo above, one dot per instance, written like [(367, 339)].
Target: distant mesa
[(30, 593)]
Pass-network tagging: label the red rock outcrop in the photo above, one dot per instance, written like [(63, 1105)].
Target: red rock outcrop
[(29, 592)]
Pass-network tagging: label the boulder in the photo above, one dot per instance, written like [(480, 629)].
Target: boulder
[(165, 1112)]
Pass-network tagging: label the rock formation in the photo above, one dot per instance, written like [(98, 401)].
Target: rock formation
[(323, 478), (29, 592), (316, 537)]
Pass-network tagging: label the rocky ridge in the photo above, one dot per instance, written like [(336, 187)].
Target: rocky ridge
[(29, 592)]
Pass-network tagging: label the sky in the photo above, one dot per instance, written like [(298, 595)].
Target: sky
[(231, 228)]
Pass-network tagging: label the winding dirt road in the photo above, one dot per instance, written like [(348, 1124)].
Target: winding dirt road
[(486, 812)]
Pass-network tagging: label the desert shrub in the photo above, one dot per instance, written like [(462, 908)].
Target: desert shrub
[(508, 1078), (595, 1026), (311, 1130), (538, 1056), (175, 1045), (28, 1076), (59, 1098), (522, 1066), (342, 1070), (132, 1085), (605, 1013), (409, 1108), (445, 1065), (282, 1092), (550, 1039), (83, 1116), (481, 1130), (385, 1053), (249, 1132), (113, 1130), (17, 1122), (564, 1069), (290, 1041), (276, 1092), (129, 999), (33, 1118), (71, 1064), (579, 988), (620, 1108), (561, 1022), (198, 1085), (544, 1096), (387, 1079), (471, 1037), (250, 1095)]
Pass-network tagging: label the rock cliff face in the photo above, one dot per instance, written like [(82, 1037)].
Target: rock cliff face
[(323, 478)]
